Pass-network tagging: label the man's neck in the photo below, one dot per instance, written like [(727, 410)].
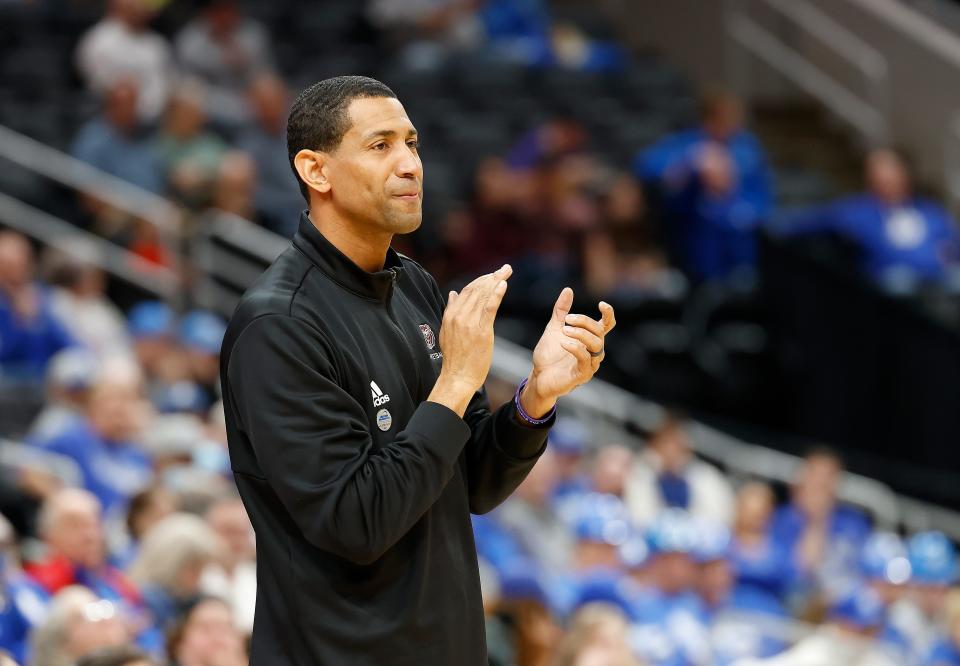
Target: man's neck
[(366, 248)]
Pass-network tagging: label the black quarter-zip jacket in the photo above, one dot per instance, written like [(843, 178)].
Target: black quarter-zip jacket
[(359, 490)]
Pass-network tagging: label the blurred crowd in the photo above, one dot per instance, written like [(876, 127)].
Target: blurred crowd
[(609, 556), (124, 543)]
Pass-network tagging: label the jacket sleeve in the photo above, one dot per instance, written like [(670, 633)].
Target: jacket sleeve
[(500, 452), (313, 444)]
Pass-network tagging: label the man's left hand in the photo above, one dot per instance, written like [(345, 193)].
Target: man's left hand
[(568, 354)]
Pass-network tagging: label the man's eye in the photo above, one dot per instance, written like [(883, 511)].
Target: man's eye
[(379, 146), (413, 144)]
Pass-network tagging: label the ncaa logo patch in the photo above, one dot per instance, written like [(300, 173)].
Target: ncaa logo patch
[(428, 336), (384, 420)]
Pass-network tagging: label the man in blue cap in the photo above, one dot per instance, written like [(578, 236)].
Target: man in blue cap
[(933, 569), (151, 325), (201, 334)]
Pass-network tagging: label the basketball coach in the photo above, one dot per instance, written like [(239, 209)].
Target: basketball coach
[(360, 435)]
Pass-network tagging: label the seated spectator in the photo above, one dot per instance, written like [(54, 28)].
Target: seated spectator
[(102, 442), (597, 636), (226, 51), (79, 623), (124, 655), (236, 186), (23, 604), (278, 199), (201, 334), (79, 299), (667, 474), (146, 509), (672, 628), (716, 188), (903, 239), (609, 469), (531, 517), (115, 141), (206, 635), (763, 566), (848, 638), (190, 156), (71, 527), (946, 652), (30, 332), (886, 571), (568, 442), (933, 571), (120, 47), (825, 537), (71, 374), (168, 567), (153, 327), (233, 576), (732, 615)]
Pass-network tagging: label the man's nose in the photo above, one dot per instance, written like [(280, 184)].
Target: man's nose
[(409, 165)]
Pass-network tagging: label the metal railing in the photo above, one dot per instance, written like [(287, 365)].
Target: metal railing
[(867, 112), (62, 168), (120, 262)]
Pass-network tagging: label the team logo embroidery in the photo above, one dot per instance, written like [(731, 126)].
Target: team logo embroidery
[(384, 420), (428, 336)]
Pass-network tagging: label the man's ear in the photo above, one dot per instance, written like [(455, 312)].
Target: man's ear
[(312, 167)]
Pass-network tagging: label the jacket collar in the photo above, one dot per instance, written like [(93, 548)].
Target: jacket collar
[(341, 269)]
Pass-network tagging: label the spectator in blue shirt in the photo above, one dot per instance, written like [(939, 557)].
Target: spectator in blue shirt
[(30, 333), (825, 537), (716, 189), (23, 604), (114, 142), (762, 565), (100, 442), (903, 239), (886, 570)]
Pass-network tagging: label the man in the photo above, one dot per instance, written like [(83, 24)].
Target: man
[(359, 444), (716, 186), (667, 474), (903, 239), (103, 443), (122, 46), (30, 333)]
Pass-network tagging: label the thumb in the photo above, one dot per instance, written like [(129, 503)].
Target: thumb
[(562, 307)]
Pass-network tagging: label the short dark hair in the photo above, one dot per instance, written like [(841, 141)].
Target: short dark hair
[(318, 118)]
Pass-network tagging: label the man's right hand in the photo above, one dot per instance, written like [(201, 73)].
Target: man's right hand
[(466, 339)]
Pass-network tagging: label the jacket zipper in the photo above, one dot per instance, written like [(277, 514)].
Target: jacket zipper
[(396, 326)]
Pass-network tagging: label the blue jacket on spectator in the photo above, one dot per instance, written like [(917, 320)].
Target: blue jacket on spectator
[(714, 234), (24, 607), (133, 159), (768, 568), (113, 471), (944, 653), (27, 346), (916, 238), (675, 156)]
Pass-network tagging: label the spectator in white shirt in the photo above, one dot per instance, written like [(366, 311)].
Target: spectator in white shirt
[(667, 474), (121, 47)]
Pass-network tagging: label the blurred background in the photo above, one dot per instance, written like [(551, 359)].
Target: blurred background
[(764, 189)]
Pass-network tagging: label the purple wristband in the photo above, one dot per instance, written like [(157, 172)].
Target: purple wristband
[(526, 417)]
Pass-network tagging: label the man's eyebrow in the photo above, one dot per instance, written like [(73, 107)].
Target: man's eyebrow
[(388, 133)]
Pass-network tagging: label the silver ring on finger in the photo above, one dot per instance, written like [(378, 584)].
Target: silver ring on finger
[(597, 354)]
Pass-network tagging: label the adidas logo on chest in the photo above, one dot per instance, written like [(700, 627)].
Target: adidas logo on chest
[(379, 397)]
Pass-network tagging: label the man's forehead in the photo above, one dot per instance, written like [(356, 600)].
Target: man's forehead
[(370, 115)]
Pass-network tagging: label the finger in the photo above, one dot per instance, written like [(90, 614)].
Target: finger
[(607, 317), (578, 350), (562, 307), (493, 303), (593, 343), (585, 322), (503, 272)]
